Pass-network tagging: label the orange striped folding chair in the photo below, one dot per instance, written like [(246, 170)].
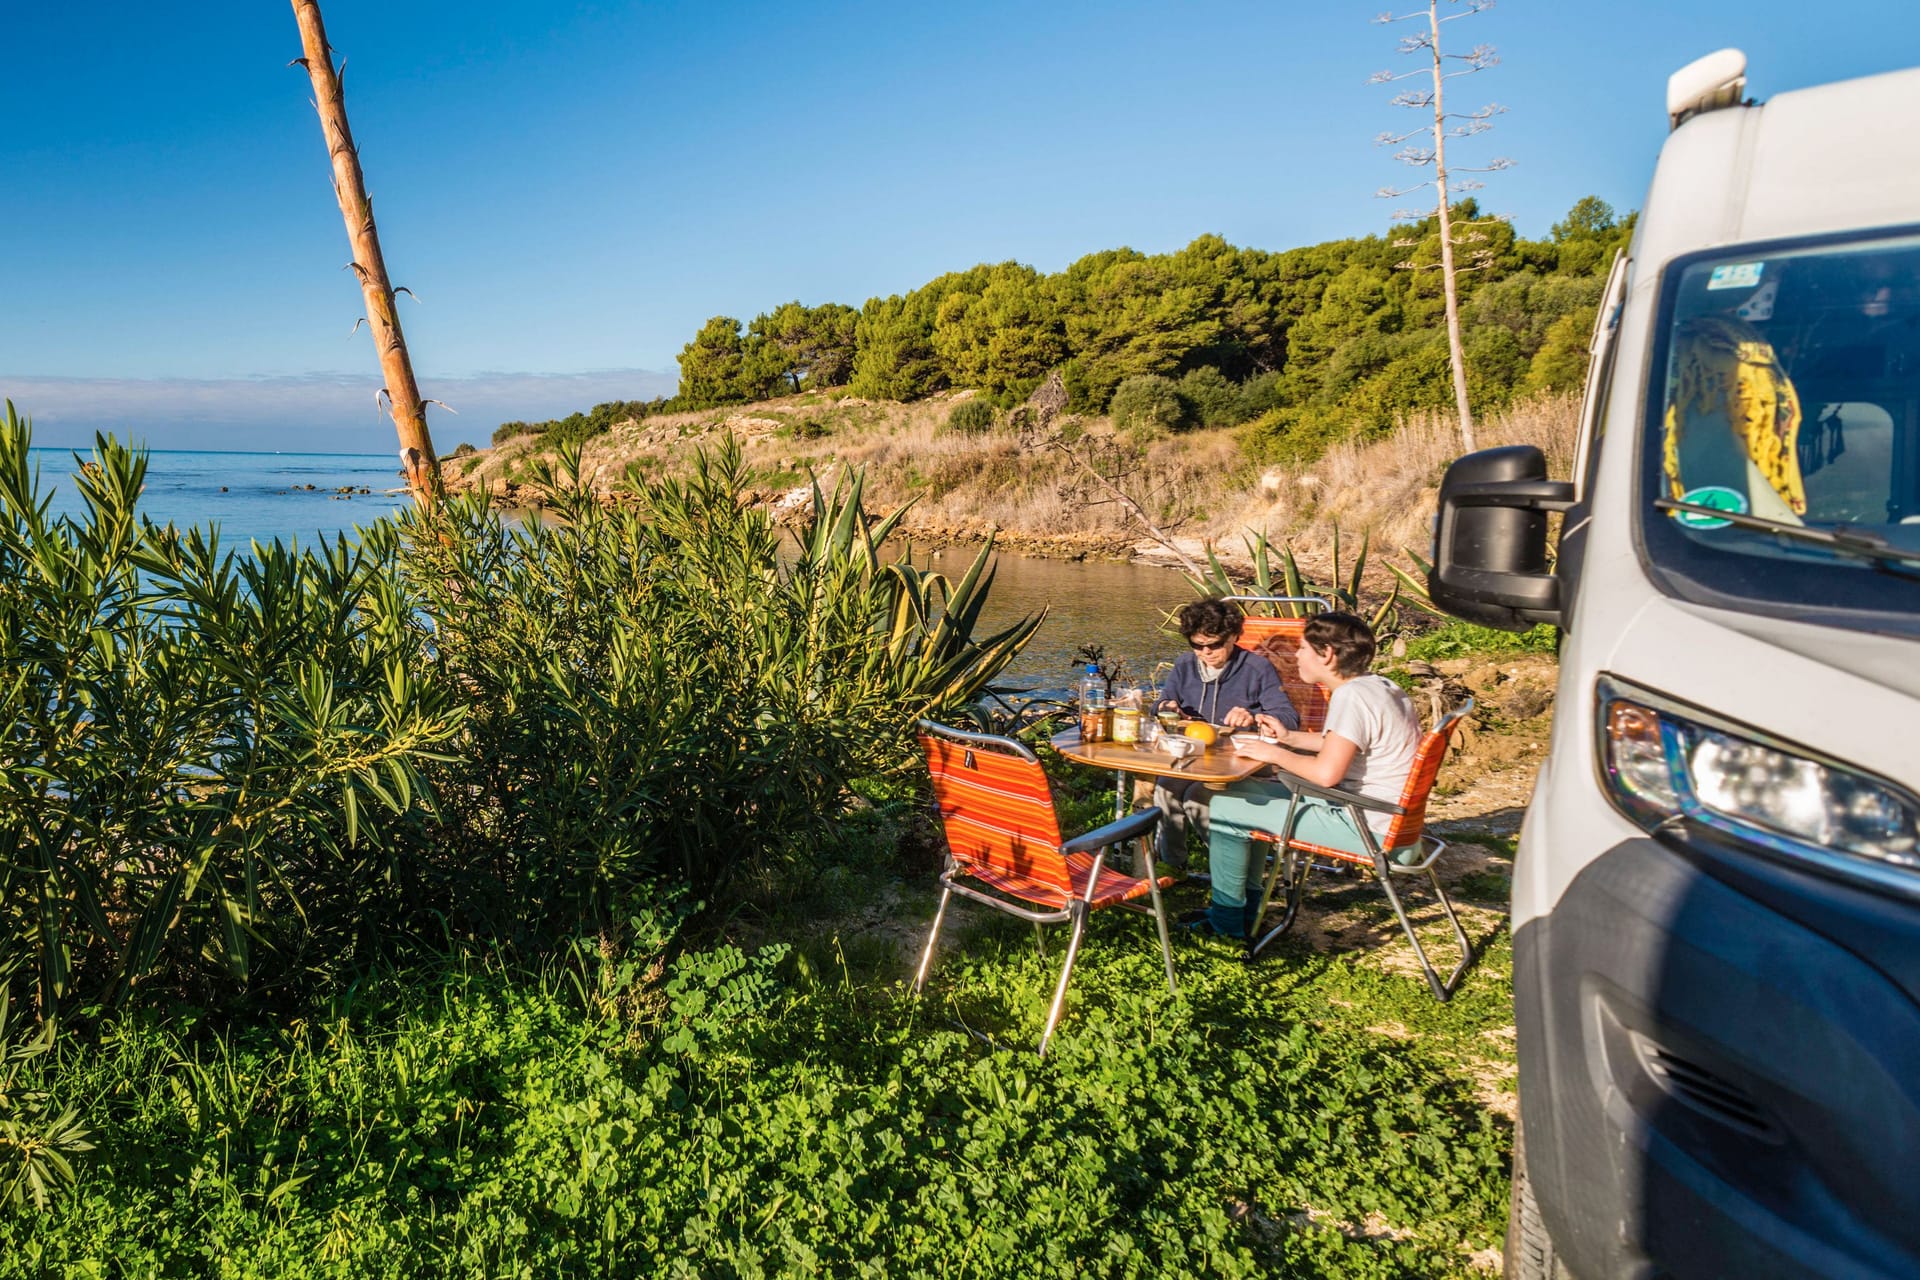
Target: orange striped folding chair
[(1004, 848), (1407, 849), (1276, 639)]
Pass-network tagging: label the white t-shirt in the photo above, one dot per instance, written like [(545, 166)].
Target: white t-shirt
[(1375, 714)]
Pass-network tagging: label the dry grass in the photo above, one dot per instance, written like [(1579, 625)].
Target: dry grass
[(964, 485), (1389, 487)]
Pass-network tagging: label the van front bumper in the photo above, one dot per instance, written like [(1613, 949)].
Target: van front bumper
[(1720, 1069)]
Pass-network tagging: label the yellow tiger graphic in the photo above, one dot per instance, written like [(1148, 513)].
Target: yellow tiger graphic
[(1725, 364)]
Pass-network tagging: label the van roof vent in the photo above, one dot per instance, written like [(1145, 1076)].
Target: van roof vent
[(1706, 84)]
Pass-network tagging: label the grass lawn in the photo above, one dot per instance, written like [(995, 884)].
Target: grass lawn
[(786, 1107)]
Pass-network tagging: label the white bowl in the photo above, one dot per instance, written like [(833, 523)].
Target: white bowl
[(1241, 741), (1181, 747)]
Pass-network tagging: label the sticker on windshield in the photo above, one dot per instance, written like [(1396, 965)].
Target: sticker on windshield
[(1738, 275), (1719, 497)]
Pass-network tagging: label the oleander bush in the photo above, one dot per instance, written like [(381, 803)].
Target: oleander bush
[(211, 762), (656, 692), (233, 773)]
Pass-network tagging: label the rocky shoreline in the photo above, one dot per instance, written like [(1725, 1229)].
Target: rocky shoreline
[(788, 508)]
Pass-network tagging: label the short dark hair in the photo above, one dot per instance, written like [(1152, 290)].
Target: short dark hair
[(1350, 638), (1211, 616)]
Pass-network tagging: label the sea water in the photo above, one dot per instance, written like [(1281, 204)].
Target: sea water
[(249, 495)]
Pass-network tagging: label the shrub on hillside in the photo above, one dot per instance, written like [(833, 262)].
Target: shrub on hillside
[(508, 430), (1210, 399), (1294, 437), (1258, 394), (1147, 405), (971, 416)]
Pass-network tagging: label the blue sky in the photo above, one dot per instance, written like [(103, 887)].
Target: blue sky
[(572, 188)]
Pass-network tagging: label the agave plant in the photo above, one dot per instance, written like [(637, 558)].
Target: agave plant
[(1414, 588), (926, 657), (1342, 592)]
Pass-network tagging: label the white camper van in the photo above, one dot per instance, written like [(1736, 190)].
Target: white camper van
[(1716, 899)]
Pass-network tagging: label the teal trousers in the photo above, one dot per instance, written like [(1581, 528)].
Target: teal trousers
[(1259, 804)]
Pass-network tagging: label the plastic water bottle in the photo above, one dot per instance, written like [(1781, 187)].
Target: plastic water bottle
[(1093, 706)]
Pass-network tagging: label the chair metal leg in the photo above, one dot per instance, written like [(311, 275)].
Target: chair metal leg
[(1282, 864), (1159, 910), (926, 958), (1459, 933), (1442, 991), (1066, 972)]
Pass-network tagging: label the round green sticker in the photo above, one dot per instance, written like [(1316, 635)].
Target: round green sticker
[(1719, 497)]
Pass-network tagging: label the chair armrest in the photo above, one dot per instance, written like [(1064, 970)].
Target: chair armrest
[(1301, 786), (1127, 828)]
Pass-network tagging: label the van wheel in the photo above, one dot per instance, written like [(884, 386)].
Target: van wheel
[(1529, 1253)]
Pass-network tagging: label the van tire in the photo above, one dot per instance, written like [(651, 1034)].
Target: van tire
[(1529, 1252)]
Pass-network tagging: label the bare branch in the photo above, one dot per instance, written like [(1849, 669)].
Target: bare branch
[(1411, 98), (1393, 193), (1105, 472), (1414, 155), (1386, 139)]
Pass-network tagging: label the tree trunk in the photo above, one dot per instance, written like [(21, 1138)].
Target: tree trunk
[(1457, 357), (417, 459)]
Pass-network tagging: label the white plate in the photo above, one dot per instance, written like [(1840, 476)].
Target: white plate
[(1241, 741)]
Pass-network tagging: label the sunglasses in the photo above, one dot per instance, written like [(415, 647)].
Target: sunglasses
[(1211, 644)]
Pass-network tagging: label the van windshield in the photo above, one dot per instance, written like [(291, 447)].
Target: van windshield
[(1782, 467)]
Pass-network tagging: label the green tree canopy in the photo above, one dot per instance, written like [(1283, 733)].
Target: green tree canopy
[(1313, 342)]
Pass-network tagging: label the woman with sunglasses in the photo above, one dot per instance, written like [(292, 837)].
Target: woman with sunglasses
[(1220, 683)]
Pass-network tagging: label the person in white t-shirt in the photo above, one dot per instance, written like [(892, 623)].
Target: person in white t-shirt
[(1372, 733)]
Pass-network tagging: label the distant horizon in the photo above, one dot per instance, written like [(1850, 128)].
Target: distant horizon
[(250, 453)]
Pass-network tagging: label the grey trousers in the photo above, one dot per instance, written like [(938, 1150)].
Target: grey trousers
[(1184, 803)]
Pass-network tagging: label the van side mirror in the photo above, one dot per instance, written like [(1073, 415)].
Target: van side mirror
[(1490, 540)]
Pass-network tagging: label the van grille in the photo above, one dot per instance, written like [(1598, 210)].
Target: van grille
[(1701, 1089)]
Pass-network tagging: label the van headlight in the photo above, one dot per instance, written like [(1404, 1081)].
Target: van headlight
[(1668, 767)]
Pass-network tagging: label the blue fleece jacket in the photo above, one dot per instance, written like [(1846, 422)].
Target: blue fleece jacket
[(1249, 681)]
